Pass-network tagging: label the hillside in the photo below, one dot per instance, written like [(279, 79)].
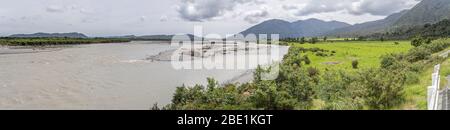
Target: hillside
[(368, 27), (437, 30), (427, 11), (302, 28)]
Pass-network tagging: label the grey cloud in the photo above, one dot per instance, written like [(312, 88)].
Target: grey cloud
[(355, 7), (201, 10), (289, 7), (255, 16), (382, 7), (55, 9)]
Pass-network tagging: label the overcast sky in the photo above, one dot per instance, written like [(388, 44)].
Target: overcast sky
[(145, 17)]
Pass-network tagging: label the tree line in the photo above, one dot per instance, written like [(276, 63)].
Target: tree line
[(9, 41)]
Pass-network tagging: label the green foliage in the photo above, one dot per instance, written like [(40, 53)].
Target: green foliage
[(267, 96), (306, 59), (313, 40), (299, 87), (418, 53), (418, 41), (384, 88), (339, 91), (302, 40), (433, 31), (312, 71), (355, 64)]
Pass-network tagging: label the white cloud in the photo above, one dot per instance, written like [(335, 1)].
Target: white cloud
[(143, 18), (164, 18), (355, 7), (201, 10)]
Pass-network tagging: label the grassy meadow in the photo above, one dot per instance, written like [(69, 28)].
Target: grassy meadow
[(367, 53)]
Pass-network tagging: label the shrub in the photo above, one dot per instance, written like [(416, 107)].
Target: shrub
[(396, 43), (418, 53), (306, 59), (355, 64), (387, 60), (412, 78), (419, 41), (321, 54), (313, 72), (384, 88)]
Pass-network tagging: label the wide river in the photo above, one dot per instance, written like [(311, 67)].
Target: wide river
[(96, 76)]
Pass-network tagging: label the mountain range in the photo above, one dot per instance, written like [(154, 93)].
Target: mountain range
[(425, 12), (47, 35), (301, 28)]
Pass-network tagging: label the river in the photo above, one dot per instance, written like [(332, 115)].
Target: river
[(96, 76)]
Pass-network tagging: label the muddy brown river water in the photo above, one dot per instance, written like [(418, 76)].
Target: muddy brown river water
[(97, 76)]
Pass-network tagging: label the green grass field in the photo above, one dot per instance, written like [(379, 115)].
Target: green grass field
[(367, 53)]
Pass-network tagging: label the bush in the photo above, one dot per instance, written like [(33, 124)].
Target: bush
[(321, 54), (418, 53), (313, 72), (419, 41), (384, 88), (412, 78), (396, 43), (355, 64), (306, 59)]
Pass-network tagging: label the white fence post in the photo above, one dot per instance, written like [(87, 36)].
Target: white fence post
[(433, 90)]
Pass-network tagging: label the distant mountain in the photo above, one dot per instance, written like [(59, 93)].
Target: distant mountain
[(46, 35), (302, 28), (368, 27), (427, 11)]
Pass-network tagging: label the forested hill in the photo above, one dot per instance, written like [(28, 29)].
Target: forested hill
[(437, 30)]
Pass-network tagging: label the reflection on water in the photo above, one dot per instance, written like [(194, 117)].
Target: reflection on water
[(98, 76)]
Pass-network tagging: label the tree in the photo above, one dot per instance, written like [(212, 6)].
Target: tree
[(419, 40), (302, 40), (313, 40), (361, 38), (325, 38)]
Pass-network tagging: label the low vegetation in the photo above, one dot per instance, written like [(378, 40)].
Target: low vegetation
[(341, 54), (300, 86)]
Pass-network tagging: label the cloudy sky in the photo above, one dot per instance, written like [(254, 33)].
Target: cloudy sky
[(143, 17)]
